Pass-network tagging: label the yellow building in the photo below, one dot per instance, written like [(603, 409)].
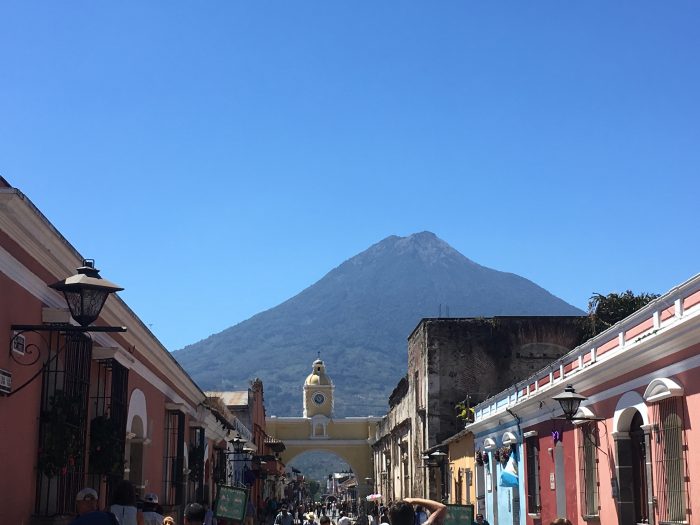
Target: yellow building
[(460, 474), (317, 429)]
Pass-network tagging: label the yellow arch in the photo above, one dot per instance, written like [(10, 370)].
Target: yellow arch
[(350, 439)]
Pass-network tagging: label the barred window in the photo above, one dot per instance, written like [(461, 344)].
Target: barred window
[(669, 453), (588, 469), (174, 460), (533, 475)]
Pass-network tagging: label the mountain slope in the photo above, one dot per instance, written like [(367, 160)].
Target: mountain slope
[(358, 317)]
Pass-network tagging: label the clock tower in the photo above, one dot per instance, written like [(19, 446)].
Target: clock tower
[(318, 392)]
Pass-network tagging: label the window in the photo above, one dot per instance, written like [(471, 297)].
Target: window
[(174, 460), (418, 389), (195, 464), (588, 469), (63, 423), (109, 407), (533, 474), (669, 455), (458, 486)]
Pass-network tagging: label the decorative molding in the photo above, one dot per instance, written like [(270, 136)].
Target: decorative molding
[(118, 354), (584, 413), (328, 440), (662, 388), (629, 402), (509, 438)]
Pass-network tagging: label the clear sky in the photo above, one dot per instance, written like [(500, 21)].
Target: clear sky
[(218, 157)]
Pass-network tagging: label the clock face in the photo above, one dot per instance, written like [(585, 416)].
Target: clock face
[(319, 398)]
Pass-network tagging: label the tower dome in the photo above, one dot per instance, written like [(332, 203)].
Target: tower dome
[(318, 375), (318, 392)]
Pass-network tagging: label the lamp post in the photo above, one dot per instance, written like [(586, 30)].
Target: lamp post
[(570, 402), (66, 372), (85, 293), (238, 448), (440, 456)]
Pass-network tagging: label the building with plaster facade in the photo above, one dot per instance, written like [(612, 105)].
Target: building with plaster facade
[(85, 409), (630, 453)]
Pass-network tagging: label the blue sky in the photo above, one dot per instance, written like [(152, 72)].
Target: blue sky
[(217, 157)]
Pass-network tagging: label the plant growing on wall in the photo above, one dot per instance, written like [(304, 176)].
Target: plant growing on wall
[(479, 458), (464, 411), (61, 444), (105, 451), (503, 454)]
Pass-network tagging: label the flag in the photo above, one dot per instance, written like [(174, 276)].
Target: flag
[(509, 474)]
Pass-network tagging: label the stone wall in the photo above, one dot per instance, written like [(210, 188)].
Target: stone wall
[(449, 359), (482, 357)]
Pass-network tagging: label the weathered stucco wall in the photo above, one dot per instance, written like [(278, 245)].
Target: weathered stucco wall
[(449, 359), (484, 356)]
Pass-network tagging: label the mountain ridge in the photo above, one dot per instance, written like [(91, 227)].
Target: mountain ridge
[(358, 317)]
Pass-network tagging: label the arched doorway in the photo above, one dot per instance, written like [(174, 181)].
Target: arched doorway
[(135, 453), (136, 435), (638, 455), (632, 443)]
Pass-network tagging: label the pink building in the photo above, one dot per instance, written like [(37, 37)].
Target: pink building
[(88, 408), (630, 453)]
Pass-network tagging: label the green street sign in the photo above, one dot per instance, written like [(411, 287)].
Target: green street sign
[(231, 503), (459, 515)]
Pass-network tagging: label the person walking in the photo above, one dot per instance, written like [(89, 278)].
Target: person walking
[(88, 514), (124, 504), (194, 514), (480, 520), (284, 517), (152, 513), (421, 515)]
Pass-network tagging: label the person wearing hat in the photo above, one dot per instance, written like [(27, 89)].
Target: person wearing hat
[(194, 514), (309, 519), (480, 519), (88, 514), (152, 514), (284, 517)]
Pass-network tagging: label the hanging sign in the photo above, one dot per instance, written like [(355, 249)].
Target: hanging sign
[(459, 515), (231, 503)]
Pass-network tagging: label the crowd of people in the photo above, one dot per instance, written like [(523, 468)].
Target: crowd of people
[(339, 513), (124, 510)]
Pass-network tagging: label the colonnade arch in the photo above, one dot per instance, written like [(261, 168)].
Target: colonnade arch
[(318, 429)]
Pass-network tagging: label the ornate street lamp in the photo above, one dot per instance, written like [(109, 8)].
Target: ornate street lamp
[(569, 401), (86, 292), (238, 443), (440, 456)]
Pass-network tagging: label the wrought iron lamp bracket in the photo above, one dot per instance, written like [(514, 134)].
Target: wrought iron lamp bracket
[(48, 335)]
